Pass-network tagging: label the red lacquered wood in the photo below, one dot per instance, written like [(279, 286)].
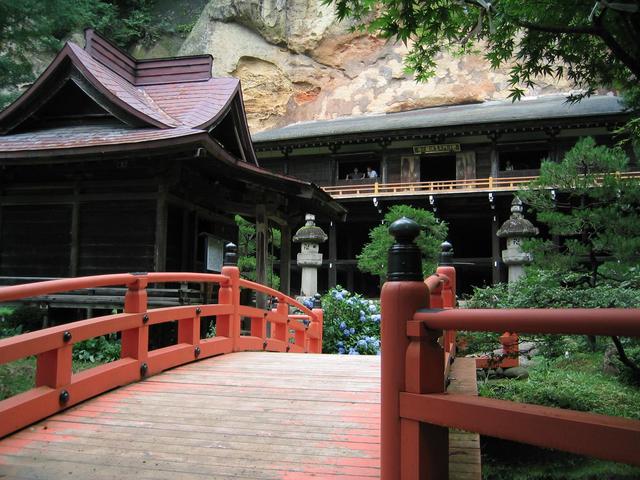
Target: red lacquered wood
[(169, 357), (577, 321), (609, 438), (315, 331), (399, 301), (210, 347)]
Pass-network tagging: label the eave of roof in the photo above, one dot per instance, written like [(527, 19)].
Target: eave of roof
[(549, 109)]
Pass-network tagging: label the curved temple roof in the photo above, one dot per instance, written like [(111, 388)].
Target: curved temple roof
[(173, 93)]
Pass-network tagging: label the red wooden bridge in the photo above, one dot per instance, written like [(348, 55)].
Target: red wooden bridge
[(261, 412)]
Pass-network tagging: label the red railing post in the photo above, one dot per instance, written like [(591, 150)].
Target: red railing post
[(53, 368), (229, 325), (448, 293), (510, 350), (135, 341), (403, 442), (315, 344), (280, 331)]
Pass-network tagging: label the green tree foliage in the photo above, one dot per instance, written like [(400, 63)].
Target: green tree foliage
[(247, 251), (594, 211), (373, 258), (36, 29), (591, 43)]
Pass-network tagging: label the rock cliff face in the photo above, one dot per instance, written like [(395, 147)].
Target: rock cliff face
[(297, 63)]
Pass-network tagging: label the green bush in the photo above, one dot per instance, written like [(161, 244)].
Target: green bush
[(351, 324), (102, 349), (575, 383), (553, 289)]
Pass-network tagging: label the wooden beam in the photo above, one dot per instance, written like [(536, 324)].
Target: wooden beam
[(495, 249), (160, 251), (184, 250), (609, 438), (75, 237), (333, 255), (285, 259), (261, 251)]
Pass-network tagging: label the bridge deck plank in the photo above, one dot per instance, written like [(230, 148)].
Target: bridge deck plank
[(246, 415)]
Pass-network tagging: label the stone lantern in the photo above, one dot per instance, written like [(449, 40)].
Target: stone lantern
[(515, 230), (310, 237)]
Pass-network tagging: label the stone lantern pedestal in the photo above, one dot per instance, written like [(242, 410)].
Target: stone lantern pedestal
[(309, 237)]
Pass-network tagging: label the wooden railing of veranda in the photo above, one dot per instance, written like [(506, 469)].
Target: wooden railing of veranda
[(366, 189), (417, 413), (57, 387)]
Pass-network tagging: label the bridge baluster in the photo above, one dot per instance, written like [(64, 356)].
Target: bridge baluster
[(404, 367), (135, 341), (229, 325)]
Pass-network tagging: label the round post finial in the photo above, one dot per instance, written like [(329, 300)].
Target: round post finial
[(230, 255), (405, 260), (317, 301), (446, 254)]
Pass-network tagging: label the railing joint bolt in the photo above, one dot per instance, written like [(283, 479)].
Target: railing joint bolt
[(288, 347), (198, 311), (264, 345), (66, 336), (143, 369), (196, 352), (64, 397), (145, 318)]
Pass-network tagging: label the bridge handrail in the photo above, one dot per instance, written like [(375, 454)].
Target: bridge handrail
[(57, 387), (17, 292), (416, 411)]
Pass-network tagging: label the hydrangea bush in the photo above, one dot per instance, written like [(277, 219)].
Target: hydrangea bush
[(351, 323)]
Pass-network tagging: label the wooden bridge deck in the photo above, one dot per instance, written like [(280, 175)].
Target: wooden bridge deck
[(243, 415)]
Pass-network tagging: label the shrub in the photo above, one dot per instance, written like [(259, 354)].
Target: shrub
[(351, 323), (102, 349)]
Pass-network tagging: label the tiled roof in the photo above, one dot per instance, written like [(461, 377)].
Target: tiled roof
[(170, 97), (87, 136), (549, 108)]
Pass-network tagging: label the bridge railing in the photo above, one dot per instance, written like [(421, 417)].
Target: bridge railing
[(57, 387), (416, 411)]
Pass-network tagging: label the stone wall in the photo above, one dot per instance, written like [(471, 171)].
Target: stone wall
[(297, 63)]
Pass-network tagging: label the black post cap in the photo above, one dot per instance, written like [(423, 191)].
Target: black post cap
[(230, 255), (446, 254), (317, 301), (405, 260)]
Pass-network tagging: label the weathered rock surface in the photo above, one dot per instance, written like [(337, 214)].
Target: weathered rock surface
[(296, 63)]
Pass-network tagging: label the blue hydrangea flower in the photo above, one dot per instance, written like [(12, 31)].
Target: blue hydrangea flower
[(362, 343), (341, 351), (346, 333), (376, 317), (338, 295), (373, 308), (353, 351), (352, 330), (339, 343)]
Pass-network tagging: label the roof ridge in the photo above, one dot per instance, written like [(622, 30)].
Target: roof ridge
[(137, 92), (151, 71)]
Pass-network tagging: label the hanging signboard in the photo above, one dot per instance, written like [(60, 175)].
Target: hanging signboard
[(214, 250), (439, 148)]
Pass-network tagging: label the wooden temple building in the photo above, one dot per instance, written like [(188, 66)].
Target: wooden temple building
[(112, 164), (462, 162)]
